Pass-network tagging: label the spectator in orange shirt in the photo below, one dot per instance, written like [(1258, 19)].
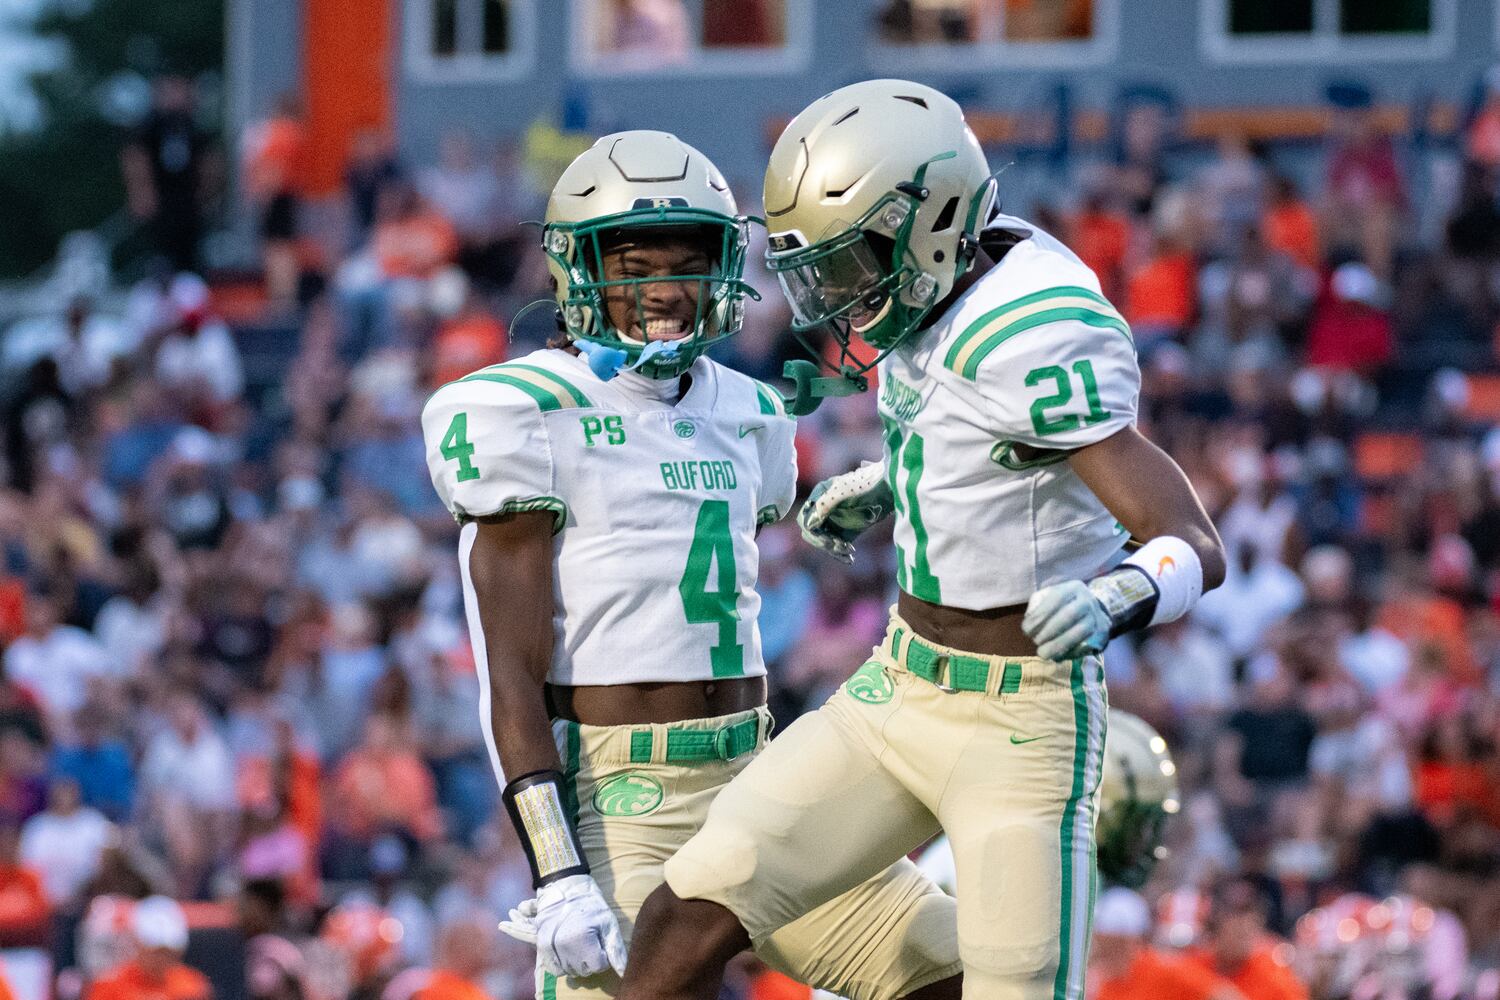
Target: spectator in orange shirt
[(1451, 777), (1239, 948), (156, 972), (470, 337), (25, 914), (1101, 237), (382, 786), (1123, 967), (1291, 226), (464, 951), (1160, 295), (412, 240), (274, 154)]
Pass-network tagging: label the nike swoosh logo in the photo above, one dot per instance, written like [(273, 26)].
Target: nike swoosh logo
[(751, 428), (1030, 739)]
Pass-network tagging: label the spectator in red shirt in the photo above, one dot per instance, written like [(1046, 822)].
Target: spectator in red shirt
[(25, 914), (1351, 330), (1365, 195)]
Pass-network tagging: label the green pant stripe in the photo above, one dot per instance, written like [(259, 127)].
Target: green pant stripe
[(1061, 982), (1092, 317), (544, 399), (579, 398), (570, 773), (549, 987)]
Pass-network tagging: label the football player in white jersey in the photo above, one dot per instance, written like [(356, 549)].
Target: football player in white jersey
[(610, 489), (1033, 523)]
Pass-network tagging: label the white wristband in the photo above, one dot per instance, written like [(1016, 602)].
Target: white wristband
[(1178, 573)]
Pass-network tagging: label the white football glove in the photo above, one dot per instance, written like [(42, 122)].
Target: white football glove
[(838, 509), (1066, 621), (572, 927)]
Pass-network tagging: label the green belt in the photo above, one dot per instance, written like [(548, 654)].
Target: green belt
[(688, 746), (963, 673)]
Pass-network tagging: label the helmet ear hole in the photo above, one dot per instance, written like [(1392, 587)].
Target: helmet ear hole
[(944, 219)]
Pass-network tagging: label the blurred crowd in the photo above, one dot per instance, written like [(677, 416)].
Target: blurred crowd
[(235, 668)]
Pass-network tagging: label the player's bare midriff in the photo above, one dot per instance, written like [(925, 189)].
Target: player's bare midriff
[(992, 631), (640, 704)]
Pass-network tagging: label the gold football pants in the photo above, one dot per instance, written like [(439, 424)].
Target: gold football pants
[(640, 792), (1002, 753)]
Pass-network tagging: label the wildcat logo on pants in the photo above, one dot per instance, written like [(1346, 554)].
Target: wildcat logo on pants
[(629, 794)]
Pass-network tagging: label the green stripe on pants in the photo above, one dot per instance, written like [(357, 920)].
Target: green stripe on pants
[(571, 758), (1080, 760), (570, 774)]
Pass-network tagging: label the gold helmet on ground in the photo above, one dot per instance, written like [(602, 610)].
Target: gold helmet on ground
[(874, 199), (635, 184), (1137, 792)]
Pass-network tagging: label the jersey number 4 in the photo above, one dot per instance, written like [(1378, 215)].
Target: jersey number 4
[(713, 549), (455, 447)]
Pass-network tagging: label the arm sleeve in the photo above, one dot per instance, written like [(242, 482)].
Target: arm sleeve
[(488, 452), (778, 465), (1063, 385)]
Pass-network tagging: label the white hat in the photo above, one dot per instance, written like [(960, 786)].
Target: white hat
[(159, 922), (1354, 282), (1122, 913), (188, 293)]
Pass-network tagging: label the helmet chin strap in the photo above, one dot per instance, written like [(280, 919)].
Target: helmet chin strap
[(607, 362)]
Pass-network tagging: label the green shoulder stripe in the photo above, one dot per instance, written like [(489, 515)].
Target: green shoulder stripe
[(568, 389), (996, 326), (549, 390), (770, 400), (543, 398)]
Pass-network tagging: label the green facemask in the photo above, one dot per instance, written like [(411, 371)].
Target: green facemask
[(579, 250)]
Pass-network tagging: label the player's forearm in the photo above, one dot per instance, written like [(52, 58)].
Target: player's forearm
[(519, 720), (1149, 495)]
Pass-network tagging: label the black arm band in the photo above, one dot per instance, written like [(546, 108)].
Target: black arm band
[(1129, 596), (548, 834)]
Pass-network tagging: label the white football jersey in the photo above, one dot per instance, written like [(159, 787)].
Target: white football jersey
[(655, 505), (1032, 354)]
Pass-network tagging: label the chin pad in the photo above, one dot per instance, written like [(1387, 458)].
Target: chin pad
[(605, 362)]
